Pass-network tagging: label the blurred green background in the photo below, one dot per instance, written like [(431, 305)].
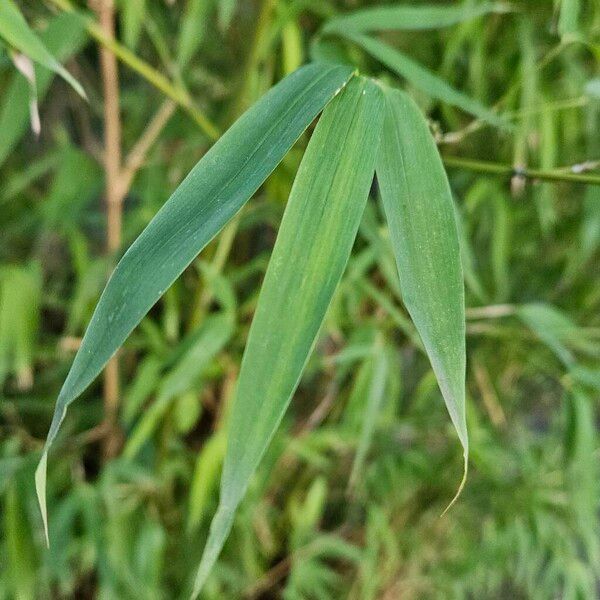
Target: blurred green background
[(347, 502)]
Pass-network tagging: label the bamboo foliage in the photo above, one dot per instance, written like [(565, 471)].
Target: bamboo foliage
[(371, 147), (313, 246)]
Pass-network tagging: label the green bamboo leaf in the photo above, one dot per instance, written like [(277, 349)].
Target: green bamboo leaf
[(64, 36), (372, 401), (133, 14), (14, 29), (193, 29), (398, 18), (558, 332), (216, 188), (313, 246), (568, 20), (226, 10), (205, 480), (418, 206), (18, 547), (20, 307), (423, 79), (210, 339)]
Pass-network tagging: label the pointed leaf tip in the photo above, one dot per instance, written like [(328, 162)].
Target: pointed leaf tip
[(40, 489), (420, 212)]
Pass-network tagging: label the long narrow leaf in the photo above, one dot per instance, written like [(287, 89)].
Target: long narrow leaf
[(193, 29), (216, 188), (14, 29), (423, 78), (418, 206), (311, 252), (568, 21), (64, 36), (398, 18), (374, 397), (214, 334)]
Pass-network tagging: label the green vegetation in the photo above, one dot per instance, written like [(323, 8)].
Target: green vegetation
[(290, 322)]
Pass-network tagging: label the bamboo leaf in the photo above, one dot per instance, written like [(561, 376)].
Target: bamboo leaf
[(205, 480), (313, 246), (418, 206), (193, 29), (372, 401), (568, 21), (14, 29), (18, 549), (558, 332), (216, 188), (64, 36), (133, 14), (226, 10), (423, 79), (210, 339), (397, 18)]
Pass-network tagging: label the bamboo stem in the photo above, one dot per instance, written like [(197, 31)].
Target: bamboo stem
[(114, 206), (557, 175)]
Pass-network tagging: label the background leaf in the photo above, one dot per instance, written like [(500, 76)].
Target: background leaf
[(133, 14), (392, 17), (64, 36), (423, 79), (14, 29), (378, 368), (210, 339), (568, 21), (193, 29)]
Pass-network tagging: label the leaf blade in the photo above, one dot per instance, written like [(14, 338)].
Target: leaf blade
[(64, 36), (424, 79), (568, 20), (15, 30), (399, 18), (193, 29), (310, 254), (418, 206), (216, 188)]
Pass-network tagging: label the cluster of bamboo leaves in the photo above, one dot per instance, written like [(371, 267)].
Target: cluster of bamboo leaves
[(365, 128)]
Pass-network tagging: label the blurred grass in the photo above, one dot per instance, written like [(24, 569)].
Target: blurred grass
[(526, 525)]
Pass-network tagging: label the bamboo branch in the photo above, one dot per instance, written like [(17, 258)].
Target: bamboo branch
[(137, 155), (557, 175)]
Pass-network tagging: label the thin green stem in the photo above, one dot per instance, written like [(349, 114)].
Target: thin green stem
[(492, 168)]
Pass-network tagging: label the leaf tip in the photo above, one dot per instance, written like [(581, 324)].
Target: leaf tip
[(40, 488), (461, 486)]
